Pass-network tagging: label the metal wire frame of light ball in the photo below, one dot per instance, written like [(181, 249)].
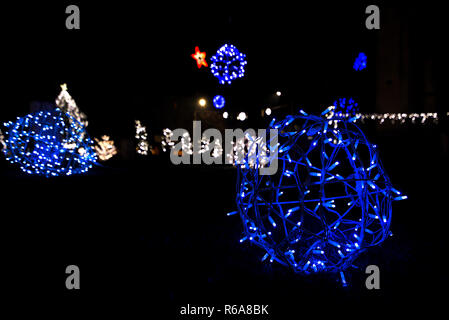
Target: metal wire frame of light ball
[(49, 144), (329, 200), (228, 64)]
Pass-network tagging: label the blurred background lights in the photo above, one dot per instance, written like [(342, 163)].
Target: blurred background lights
[(278, 93), (225, 115), (268, 111), (228, 64), (242, 116), (202, 102)]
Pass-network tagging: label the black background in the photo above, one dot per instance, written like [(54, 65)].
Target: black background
[(150, 237)]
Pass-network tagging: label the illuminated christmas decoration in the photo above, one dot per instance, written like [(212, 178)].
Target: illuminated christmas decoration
[(228, 64), (360, 62), (49, 144), (187, 145), (167, 143), (200, 58), (242, 116), (2, 141), (329, 200), (219, 102), (413, 118), (67, 104), (346, 106), (252, 148), (225, 115), (105, 148), (202, 102), (142, 139)]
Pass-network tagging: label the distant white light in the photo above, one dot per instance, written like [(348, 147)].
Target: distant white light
[(278, 93), (202, 102), (225, 115), (242, 116), (267, 111)]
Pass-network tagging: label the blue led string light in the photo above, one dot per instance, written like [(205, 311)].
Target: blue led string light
[(228, 64), (329, 200), (49, 144), (360, 62), (346, 106), (219, 102)]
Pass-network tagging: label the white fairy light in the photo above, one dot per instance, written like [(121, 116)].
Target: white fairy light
[(142, 139), (167, 142), (2, 140), (67, 104), (202, 102)]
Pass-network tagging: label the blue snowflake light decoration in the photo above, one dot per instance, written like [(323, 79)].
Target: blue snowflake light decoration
[(50, 144), (329, 200), (346, 106), (219, 102), (360, 62), (228, 64)]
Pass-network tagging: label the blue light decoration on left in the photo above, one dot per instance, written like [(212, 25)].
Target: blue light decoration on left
[(360, 62), (228, 64), (49, 143), (219, 102), (328, 202)]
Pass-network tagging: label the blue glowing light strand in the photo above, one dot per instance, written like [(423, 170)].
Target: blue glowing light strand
[(346, 107), (228, 64), (360, 62), (329, 201), (219, 102), (49, 144)]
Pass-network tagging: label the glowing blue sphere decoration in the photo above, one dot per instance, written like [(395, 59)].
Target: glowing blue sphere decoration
[(329, 200), (219, 102), (360, 62), (228, 64), (49, 144), (346, 106)]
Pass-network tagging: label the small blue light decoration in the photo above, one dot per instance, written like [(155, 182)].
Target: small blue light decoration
[(49, 144), (329, 200), (360, 62), (346, 106), (228, 64), (219, 102)]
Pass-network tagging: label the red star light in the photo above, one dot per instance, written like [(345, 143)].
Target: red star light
[(200, 58)]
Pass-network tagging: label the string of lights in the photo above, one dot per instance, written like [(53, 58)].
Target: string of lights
[(105, 148), (67, 104), (2, 140), (49, 144), (329, 201)]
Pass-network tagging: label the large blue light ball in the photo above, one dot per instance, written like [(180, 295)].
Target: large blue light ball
[(228, 64), (329, 200), (49, 144)]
